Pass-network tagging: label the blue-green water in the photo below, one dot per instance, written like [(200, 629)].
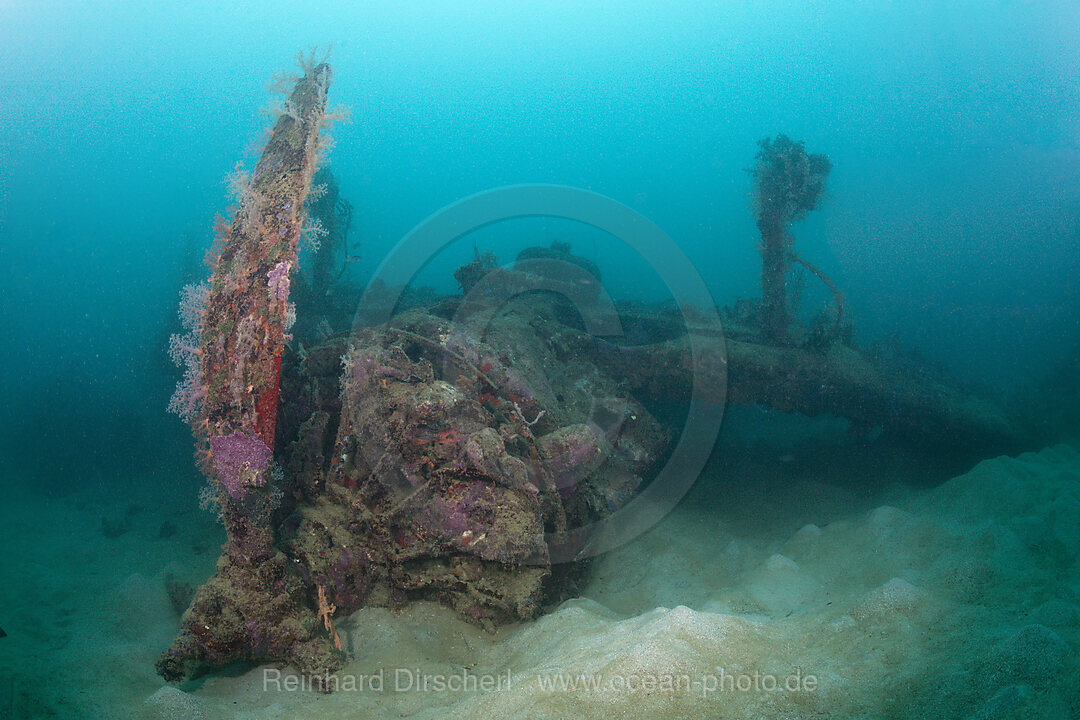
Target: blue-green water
[(951, 219), (951, 215)]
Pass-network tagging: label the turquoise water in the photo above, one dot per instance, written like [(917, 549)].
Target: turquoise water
[(951, 218)]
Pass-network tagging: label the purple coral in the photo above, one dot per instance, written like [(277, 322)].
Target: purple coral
[(240, 461), (278, 280)]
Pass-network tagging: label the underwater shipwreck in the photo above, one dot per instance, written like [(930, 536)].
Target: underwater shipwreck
[(403, 446)]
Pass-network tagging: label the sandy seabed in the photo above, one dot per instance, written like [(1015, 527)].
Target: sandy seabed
[(783, 586)]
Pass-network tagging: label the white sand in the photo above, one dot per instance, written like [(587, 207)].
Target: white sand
[(960, 601)]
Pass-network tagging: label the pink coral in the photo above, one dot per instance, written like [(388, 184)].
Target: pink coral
[(187, 399), (193, 305)]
